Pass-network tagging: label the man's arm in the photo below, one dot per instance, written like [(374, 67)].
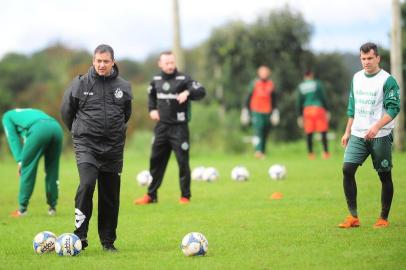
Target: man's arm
[(273, 99), (69, 105), (152, 102), (128, 106), (350, 114), (347, 133), (247, 101), (391, 104), (194, 91), (322, 95), (299, 103), (12, 137)]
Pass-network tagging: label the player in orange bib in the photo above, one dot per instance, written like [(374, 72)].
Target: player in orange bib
[(261, 105), (313, 112)]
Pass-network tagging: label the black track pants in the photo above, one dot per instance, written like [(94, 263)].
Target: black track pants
[(109, 201), (168, 138)]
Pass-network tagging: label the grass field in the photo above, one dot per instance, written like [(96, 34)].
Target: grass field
[(245, 229)]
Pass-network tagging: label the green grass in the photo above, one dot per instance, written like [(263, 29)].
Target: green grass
[(245, 229)]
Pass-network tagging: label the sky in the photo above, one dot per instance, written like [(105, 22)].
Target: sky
[(137, 28)]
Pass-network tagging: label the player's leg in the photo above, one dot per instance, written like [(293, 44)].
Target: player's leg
[(258, 125), (31, 153), (160, 153), (309, 143), (88, 174), (109, 203), (382, 160), (51, 156), (179, 139), (309, 126), (267, 128), (321, 125), (324, 141), (350, 187), (386, 193), (355, 154)]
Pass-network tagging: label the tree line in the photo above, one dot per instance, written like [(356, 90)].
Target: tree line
[(225, 64)]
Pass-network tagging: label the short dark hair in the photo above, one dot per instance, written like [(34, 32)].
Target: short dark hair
[(165, 53), (102, 48), (308, 72), (365, 48)]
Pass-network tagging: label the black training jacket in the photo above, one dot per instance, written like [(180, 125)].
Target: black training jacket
[(96, 109), (162, 94)]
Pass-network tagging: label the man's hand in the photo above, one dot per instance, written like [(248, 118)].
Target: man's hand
[(371, 133), (154, 115), (299, 121), (345, 138), (274, 119), (19, 168), (328, 115), (245, 117), (182, 97)]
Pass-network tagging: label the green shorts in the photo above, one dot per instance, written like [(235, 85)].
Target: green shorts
[(380, 149)]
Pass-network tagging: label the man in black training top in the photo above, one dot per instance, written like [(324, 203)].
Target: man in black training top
[(170, 94), (96, 108)]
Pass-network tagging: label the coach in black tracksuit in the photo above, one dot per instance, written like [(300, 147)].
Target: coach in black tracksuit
[(96, 108), (169, 98)]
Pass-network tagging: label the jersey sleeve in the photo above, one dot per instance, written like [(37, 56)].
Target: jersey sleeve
[(391, 100), (351, 103), (299, 102), (273, 99), (12, 137), (248, 97), (195, 89), (70, 104), (128, 105), (152, 98), (322, 96)]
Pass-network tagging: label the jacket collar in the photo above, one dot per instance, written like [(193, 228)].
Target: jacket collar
[(169, 76), (113, 74)]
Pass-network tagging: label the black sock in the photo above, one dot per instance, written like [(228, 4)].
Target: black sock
[(324, 141), (350, 187), (310, 142), (386, 193)]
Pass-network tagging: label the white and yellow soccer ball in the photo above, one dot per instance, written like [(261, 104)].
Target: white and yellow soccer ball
[(240, 173), (144, 178), (194, 244), (68, 244), (44, 242), (277, 172), (210, 174), (197, 173)]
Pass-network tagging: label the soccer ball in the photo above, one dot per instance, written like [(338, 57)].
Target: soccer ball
[(68, 244), (277, 172), (197, 173), (144, 178), (194, 244), (44, 242), (240, 173), (210, 174)]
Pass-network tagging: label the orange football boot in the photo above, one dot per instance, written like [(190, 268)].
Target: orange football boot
[(144, 200), (350, 222), (326, 155), (381, 223), (184, 200)]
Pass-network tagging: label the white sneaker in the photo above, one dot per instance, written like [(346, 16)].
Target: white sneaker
[(52, 211)]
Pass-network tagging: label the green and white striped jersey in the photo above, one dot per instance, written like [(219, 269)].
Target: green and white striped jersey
[(371, 96)]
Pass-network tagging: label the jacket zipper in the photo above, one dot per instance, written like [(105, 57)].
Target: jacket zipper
[(105, 114)]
